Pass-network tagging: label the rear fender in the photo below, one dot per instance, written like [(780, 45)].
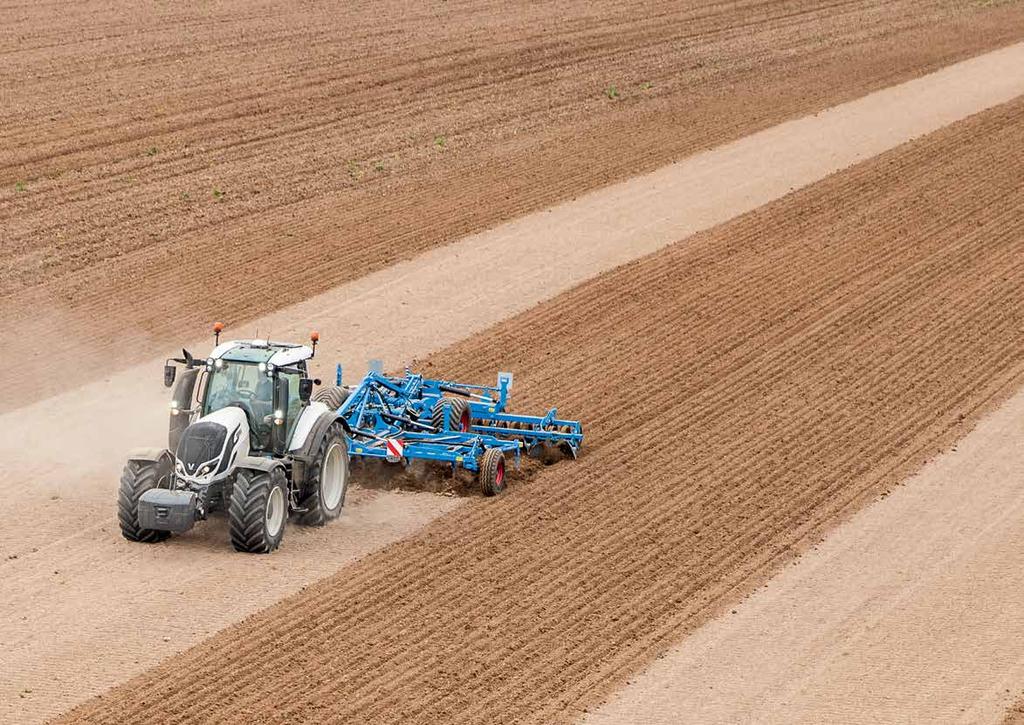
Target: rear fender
[(316, 434), (308, 420), (303, 455)]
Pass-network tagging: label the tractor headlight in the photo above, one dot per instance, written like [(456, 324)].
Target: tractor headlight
[(205, 469), (270, 369), (278, 417), (262, 367), (174, 407), (218, 364), (179, 468)]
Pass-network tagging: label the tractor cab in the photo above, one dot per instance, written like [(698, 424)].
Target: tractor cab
[(265, 380), (262, 379)]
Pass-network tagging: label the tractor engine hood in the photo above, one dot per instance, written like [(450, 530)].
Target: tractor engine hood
[(209, 447)]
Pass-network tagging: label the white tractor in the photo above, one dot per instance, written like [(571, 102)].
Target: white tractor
[(246, 436)]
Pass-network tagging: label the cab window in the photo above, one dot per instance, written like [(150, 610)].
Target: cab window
[(238, 382)]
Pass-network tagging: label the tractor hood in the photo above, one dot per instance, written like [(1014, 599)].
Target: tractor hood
[(209, 446)]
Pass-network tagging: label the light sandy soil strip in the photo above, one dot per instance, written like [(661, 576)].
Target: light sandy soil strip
[(395, 314), (743, 390), (910, 612), (154, 155)]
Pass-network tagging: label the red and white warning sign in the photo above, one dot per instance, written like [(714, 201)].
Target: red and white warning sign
[(395, 449)]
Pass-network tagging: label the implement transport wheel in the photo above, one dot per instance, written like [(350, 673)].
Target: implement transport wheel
[(327, 481), (137, 478), (333, 396), (458, 416), (492, 471), (258, 510)]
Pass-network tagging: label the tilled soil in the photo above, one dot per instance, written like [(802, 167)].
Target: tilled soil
[(169, 165), (907, 613), (742, 391), (71, 582)]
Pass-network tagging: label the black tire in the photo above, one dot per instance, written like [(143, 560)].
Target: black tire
[(458, 417), (333, 396), (248, 510), (137, 478), (318, 512), (492, 472)]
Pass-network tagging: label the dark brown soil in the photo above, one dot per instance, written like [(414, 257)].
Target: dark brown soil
[(1015, 715)]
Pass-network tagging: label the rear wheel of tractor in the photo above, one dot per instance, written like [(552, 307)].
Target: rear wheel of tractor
[(333, 397), (327, 483), (492, 471), (137, 478), (458, 416), (258, 510)]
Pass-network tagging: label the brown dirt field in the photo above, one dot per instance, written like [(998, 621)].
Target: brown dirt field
[(909, 612), (110, 231), (1015, 716), (742, 392), (93, 581)]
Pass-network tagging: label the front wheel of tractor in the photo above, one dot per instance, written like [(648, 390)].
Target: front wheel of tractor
[(258, 510), (137, 478)]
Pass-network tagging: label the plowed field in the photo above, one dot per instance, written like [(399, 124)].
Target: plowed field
[(742, 391), (73, 582), (155, 158)]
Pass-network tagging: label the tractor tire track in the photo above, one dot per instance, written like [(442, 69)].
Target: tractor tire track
[(764, 380)]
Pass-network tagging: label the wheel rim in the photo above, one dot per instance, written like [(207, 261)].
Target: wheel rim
[(464, 422), (332, 478), (275, 511), (499, 476)]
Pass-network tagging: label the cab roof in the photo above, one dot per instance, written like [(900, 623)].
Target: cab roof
[(262, 351)]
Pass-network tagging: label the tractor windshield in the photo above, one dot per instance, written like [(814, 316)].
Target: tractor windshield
[(240, 382)]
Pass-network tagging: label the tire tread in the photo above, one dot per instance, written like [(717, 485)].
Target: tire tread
[(247, 510)]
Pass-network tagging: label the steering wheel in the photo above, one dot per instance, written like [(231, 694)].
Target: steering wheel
[(246, 394)]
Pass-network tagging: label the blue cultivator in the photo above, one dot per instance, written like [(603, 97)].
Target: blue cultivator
[(407, 418)]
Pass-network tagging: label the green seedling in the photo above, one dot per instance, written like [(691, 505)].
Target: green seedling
[(612, 92)]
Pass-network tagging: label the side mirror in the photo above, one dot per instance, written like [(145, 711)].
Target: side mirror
[(305, 390), (169, 372)]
